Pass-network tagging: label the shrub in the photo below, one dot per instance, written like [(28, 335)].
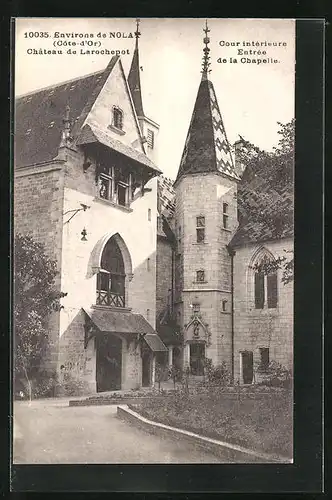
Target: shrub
[(278, 376), (72, 385), (217, 375)]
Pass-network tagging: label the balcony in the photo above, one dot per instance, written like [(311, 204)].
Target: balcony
[(108, 298)]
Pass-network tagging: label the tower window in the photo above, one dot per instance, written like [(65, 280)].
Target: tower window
[(264, 358), (148, 264), (117, 118), (150, 138), (200, 229), (196, 308), (224, 305), (200, 276), (149, 214), (225, 215)]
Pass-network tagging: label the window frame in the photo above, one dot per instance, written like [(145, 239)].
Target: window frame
[(117, 118), (269, 300), (112, 194), (203, 275), (225, 215), (200, 229)]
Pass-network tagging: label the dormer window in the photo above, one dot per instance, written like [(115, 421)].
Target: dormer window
[(117, 119)]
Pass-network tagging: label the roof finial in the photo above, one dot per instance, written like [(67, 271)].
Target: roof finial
[(66, 135), (137, 32), (206, 50)]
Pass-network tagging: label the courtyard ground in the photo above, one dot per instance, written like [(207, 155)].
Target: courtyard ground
[(51, 432), (260, 419)]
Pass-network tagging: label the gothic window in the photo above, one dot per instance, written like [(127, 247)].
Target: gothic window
[(111, 277), (225, 215), (150, 139), (200, 276), (265, 283), (264, 358), (259, 290), (266, 290), (117, 118), (200, 229), (272, 290)]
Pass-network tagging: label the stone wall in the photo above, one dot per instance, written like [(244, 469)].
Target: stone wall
[(38, 205), (204, 195), (163, 274), (262, 328)]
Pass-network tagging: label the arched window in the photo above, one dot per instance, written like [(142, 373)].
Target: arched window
[(111, 277), (265, 281)]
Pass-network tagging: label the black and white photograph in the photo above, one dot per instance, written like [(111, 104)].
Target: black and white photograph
[(153, 241)]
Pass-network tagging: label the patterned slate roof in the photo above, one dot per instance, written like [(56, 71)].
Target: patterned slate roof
[(166, 197), (165, 207), (206, 148), (39, 115), (265, 204)]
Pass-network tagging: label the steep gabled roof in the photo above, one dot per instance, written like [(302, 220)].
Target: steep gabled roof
[(265, 204), (39, 115), (134, 82), (206, 148)]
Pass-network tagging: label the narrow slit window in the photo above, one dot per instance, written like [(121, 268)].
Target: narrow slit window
[(225, 215), (224, 305), (149, 214)]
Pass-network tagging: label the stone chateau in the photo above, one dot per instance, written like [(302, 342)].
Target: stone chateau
[(154, 270)]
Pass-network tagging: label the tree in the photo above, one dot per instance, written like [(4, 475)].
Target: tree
[(35, 298), (266, 192)]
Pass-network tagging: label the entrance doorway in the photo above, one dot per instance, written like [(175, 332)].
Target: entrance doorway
[(247, 367), (197, 357), (109, 363)]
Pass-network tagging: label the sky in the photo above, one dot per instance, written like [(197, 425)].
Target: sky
[(252, 97)]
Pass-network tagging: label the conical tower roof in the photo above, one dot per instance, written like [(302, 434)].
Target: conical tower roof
[(206, 148), (134, 80)]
